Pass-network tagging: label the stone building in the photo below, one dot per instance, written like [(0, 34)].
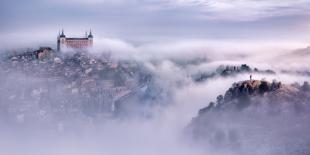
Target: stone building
[(75, 43)]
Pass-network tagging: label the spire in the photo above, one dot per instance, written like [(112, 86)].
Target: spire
[(90, 34), (86, 34), (62, 33)]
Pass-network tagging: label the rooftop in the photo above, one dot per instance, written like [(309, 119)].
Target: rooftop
[(76, 38)]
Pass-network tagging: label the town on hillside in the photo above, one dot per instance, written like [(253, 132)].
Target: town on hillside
[(77, 78)]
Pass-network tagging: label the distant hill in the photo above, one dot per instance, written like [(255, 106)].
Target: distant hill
[(229, 70), (302, 52)]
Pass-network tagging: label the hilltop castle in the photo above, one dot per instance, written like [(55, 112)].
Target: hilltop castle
[(76, 43)]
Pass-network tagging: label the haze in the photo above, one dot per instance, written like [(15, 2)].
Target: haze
[(170, 40)]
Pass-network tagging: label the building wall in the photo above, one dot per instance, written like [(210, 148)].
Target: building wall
[(76, 43)]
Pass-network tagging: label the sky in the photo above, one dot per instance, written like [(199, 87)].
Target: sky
[(144, 21)]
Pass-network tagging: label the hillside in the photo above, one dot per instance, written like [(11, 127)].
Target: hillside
[(44, 84), (257, 92), (254, 115)]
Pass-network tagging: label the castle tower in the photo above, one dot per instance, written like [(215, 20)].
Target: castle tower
[(61, 41), (90, 38)]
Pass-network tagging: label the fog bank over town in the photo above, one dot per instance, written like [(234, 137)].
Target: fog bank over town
[(155, 77)]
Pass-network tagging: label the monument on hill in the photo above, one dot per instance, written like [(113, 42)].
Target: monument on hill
[(75, 43)]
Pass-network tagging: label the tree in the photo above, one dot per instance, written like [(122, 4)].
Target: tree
[(220, 99)]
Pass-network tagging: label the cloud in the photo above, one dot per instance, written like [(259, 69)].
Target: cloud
[(236, 10), (162, 20), (247, 10), (240, 10)]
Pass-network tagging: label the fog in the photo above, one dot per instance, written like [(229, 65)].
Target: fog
[(153, 65), (30, 127), (255, 131)]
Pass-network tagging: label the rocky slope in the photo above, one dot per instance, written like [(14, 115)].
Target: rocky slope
[(256, 117), (256, 92)]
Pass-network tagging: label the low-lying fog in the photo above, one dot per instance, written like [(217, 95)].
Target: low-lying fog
[(163, 133)]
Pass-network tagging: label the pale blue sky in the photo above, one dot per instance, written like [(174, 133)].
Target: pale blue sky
[(139, 21)]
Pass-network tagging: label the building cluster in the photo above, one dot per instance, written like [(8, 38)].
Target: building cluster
[(77, 79), (80, 78)]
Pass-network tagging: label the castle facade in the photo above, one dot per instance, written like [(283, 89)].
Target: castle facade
[(75, 43)]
